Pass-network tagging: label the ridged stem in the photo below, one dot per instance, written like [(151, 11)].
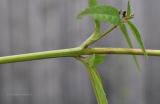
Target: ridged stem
[(73, 52)]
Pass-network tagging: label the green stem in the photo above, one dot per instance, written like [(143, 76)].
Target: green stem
[(89, 41), (41, 55), (94, 37), (95, 81), (73, 52), (107, 32)]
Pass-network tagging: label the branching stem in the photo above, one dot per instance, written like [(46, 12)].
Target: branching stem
[(94, 38), (73, 52), (107, 32)]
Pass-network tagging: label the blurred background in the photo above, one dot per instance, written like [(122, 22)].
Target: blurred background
[(41, 25)]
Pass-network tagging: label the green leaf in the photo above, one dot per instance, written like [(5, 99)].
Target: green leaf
[(128, 9), (126, 35), (137, 36), (96, 59), (104, 13), (92, 2)]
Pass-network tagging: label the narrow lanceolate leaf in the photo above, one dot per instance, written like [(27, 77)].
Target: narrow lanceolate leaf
[(128, 9), (96, 59), (126, 35), (92, 2), (104, 13), (137, 36)]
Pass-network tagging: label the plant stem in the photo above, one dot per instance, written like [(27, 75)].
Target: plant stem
[(95, 81), (73, 52), (107, 32), (89, 41), (94, 38), (41, 55)]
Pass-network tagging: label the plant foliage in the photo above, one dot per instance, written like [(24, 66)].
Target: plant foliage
[(99, 13), (137, 35), (126, 35), (105, 13), (92, 3), (96, 59), (111, 15), (128, 9)]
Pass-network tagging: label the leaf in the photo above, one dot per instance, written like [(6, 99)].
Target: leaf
[(128, 9), (104, 13), (96, 59), (92, 2), (126, 35), (137, 36)]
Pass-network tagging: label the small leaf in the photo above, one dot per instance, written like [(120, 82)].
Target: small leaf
[(104, 13), (137, 36), (92, 2), (128, 9), (126, 35), (96, 59)]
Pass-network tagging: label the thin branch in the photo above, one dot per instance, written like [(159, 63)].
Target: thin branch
[(94, 38), (107, 32), (73, 52)]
